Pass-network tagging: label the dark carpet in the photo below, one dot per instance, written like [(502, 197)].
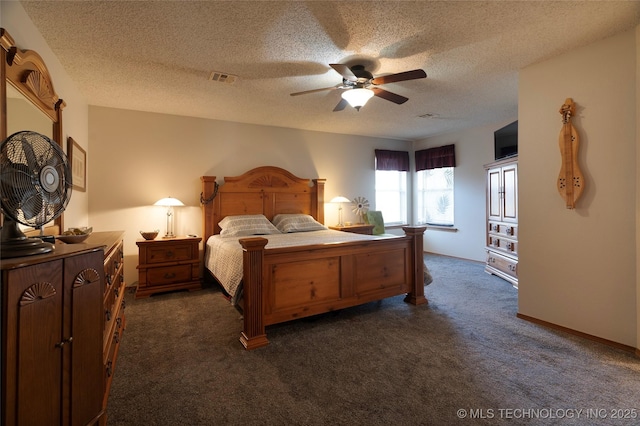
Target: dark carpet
[(465, 358)]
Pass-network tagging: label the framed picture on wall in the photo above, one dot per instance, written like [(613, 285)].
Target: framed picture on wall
[(78, 162)]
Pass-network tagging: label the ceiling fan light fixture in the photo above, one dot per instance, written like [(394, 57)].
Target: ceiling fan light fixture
[(357, 97)]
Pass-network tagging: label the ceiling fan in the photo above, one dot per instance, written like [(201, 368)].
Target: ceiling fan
[(360, 85)]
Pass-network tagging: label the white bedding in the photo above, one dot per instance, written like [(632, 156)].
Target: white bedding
[(223, 255)]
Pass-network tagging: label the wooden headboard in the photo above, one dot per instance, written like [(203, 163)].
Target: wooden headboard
[(266, 190)]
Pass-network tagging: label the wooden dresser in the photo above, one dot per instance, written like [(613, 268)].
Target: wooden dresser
[(168, 264), (502, 219), (52, 334), (113, 301)]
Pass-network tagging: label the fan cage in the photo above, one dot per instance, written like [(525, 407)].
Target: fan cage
[(35, 179)]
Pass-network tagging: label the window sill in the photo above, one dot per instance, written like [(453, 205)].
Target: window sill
[(441, 228), (395, 226), (429, 227)]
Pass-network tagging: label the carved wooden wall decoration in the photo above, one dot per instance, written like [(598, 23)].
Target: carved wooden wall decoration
[(570, 180)]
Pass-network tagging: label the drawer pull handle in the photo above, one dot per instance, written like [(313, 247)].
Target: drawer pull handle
[(170, 275), (64, 342), (169, 253)]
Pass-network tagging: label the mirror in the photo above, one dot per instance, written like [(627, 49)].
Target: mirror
[(28, 100), (22, 115)]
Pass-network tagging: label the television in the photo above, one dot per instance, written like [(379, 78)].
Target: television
[(505, 141)]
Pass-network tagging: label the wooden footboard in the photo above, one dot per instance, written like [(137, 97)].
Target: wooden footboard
[(283, 284)]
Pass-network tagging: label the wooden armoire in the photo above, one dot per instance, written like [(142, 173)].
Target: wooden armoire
[(502, 219)]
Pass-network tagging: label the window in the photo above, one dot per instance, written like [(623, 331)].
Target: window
[(434, 190), (392, 168), (435, 196), (391, 196)]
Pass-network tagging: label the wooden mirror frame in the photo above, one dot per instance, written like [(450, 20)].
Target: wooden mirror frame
[(27, 73)]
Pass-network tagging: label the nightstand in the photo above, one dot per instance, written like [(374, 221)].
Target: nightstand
[(362, 228), (168, 264)]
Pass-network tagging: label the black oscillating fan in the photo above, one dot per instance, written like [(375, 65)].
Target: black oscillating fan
[(35, 188)]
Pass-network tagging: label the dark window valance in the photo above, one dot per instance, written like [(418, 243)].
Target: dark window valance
[(392, 160), (435, 158)]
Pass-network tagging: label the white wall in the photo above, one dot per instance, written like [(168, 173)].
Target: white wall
[(577, 267), (140, 157), (474, 149), (14, 19)]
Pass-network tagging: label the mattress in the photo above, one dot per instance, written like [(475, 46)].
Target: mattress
[(223, 255)]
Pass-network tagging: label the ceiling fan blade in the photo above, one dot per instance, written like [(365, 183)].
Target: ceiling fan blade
[(401, 76), (344, 71), (393, 97), (341, 105), (313, 91)]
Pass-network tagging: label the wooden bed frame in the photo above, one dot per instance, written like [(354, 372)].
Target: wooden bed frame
[(283, 284)]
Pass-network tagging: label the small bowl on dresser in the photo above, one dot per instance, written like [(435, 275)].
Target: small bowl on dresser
[(72, 239), (149, 235)]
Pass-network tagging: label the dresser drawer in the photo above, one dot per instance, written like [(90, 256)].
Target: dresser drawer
[(169, 274), (169, 253), (503, 229), (502, 263), (503, 244)]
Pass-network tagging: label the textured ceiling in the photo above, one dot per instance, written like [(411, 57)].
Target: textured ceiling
[(157, 56)]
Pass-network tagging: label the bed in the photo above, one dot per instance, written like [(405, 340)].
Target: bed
[(286, 281)]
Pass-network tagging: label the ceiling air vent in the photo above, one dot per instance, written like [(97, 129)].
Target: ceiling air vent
[(222, 77)]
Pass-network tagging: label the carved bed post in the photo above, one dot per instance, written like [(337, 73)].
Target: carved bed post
[(416, 297), (208, 189), (317, 202), (253, 335)]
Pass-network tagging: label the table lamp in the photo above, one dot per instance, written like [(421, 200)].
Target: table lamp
[(169, 203), (340, 199)]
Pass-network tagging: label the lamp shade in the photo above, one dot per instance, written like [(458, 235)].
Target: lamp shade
[(340, 199), (357, 97), (169, 202)]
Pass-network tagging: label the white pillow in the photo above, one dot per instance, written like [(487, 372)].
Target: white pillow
[(287, 223), (242, 225)]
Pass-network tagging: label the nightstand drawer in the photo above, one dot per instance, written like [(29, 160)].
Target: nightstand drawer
[(169, 274), (169, 253)]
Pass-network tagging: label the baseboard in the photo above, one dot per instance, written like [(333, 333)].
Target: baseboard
[(611, 343), (454, 257)]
